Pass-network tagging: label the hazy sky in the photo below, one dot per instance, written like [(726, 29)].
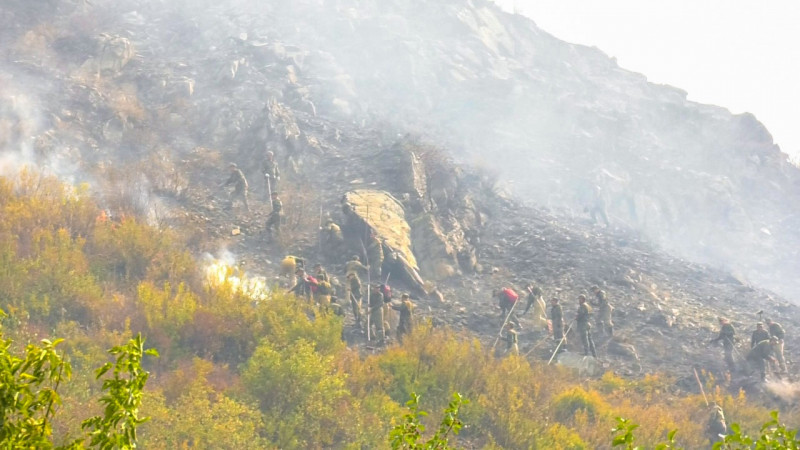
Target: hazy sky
[(740, 54)]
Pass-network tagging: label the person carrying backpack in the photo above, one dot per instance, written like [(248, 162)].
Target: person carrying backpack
[(305, 285), (506, 298)]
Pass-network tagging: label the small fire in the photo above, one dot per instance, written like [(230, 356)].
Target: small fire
[(220, 273)]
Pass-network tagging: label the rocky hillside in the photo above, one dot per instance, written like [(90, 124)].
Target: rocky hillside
[(442, 104)]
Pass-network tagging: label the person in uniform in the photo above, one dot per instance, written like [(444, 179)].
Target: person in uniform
[(354, 266), (271, 173), (727, 336), (332, 238), (303, 286), (376, 313), (375, 256), (584, 325), (760, 334), (239, 182), (776, 331), (406, 321), (716, 426), (275, 217), (760, 355), (512, 339), (354, 294), (604, 310), (557, 320)]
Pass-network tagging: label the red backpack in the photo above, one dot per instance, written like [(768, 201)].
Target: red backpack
[(387, 293), (313, 283), (511, 296)]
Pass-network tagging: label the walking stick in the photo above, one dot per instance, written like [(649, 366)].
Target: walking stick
[(320, 227), (700, 385), (369, 288), (560, 342), (500, 334), (269, 191), (541, 341)]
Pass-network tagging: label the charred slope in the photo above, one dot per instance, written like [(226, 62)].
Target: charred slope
[(167, 96), (556, 118)]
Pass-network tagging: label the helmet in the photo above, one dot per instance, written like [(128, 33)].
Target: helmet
[(270, 153)]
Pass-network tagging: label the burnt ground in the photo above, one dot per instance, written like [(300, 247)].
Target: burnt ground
[(665, 308), (169, 119)]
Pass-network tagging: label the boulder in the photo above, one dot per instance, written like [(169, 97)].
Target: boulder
[(437, 256), (384, 214), (585, 365)]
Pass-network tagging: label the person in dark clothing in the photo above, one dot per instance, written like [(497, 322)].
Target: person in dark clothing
[(584, 325)]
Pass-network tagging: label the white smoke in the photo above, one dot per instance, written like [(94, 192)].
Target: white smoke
[(788, 392), (24, 138), (222, 271)]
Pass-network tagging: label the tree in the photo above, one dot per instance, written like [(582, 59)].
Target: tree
[(116, 428), (407, 435), (29, 394)]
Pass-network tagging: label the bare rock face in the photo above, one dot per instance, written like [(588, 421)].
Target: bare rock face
[(384, 214), (114, 53), (431, 245)]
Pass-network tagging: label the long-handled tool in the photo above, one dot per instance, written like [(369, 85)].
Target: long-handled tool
[(541, 341), (700, 385), (563, 338), (369, 288), (500, 334)]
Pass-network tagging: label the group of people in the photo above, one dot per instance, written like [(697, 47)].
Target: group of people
[(239, 193), (318, 286), (766, 347), (766, 343), (374, 317), (372, 309), (556, 323)]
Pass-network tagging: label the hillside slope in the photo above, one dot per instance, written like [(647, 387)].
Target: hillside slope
[(149, 101)]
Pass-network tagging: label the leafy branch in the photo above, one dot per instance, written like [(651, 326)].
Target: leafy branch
[(116, 428), (407, 435)]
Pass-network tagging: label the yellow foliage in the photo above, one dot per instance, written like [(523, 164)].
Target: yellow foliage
[(165, 311), (570, 402), (559, 437), (275, 371), (201, 417)]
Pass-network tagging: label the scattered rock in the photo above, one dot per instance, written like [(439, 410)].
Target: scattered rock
[(661, 319), (585, 365), (616, 347)]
